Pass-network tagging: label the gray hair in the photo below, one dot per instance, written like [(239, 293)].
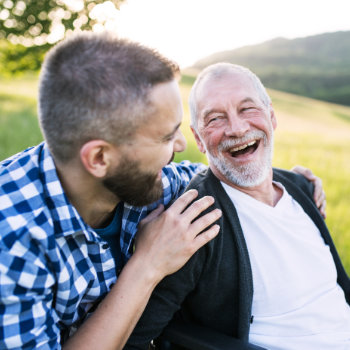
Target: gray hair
[(216, 71), (96, 86)]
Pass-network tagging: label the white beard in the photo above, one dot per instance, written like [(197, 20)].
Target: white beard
[(248, 175)]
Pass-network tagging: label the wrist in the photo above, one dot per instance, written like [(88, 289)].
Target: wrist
[(144, 270)]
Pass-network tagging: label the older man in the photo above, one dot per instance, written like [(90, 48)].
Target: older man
[(272, 277)]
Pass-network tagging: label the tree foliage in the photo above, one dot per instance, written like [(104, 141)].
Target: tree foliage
[(32, 21), (17, 59), (29, 27)]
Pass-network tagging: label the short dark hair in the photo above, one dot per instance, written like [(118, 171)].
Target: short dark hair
[(95, 86)]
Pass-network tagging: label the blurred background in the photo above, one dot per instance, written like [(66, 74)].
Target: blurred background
[(299, 49)]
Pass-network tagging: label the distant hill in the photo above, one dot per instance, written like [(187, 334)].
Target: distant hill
[(316, 66)]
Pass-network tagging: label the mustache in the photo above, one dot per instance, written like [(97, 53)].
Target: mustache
[(249, 136)]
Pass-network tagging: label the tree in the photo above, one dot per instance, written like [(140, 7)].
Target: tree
[(38, 24)]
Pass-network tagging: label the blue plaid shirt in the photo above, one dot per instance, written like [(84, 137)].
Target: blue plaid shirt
[(53, 266)]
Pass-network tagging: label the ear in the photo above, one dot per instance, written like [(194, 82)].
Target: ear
[(198, 140), (98, 156), (273, 117)]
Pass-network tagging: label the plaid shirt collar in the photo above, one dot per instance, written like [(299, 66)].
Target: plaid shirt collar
[(68, 219)]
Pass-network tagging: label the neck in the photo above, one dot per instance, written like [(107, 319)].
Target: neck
[(94, 203), (265, 192)]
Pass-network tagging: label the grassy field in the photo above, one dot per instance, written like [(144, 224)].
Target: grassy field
[(18, 118), (309, 132)]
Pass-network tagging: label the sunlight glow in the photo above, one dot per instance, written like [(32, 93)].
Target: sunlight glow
[(187, 30)]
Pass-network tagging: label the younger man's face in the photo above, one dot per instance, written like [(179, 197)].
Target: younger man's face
[(137, 178)]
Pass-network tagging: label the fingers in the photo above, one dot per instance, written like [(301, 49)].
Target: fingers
[(317, 182), (323, 209), (321, 202), (183, 201), (197, 208), (205, 221), (167, 239), (319, 194), (205, 237), (304, 171), (191, 212)]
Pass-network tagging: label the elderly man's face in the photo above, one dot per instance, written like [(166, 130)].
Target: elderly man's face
[(235, 129)]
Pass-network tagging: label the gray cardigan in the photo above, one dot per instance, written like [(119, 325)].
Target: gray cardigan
[(215, 287)]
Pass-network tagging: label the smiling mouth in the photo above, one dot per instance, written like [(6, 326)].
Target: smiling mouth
[(247, 148)]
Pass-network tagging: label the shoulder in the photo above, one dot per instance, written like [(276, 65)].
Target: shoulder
[(176, 177), (27, 157), (205, 183), (184, 170), (293, 181), (24, 216), (20, 171)]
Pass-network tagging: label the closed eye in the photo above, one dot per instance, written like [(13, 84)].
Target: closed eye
[(214, 118), (169, 137), (247, 109)]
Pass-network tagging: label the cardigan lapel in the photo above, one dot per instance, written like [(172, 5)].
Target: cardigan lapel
[(232, 225)]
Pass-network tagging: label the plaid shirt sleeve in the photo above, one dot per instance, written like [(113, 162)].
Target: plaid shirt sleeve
[(53, 268), (27, 318)]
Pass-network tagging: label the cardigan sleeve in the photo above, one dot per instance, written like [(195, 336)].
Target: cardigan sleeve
[(165, 301)]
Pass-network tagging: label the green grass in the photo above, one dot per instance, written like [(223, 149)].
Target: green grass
[(317, 135), (18, 122), (309, 132)]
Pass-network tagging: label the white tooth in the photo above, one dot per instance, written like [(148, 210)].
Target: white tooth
[(240, 148), (243, 146)]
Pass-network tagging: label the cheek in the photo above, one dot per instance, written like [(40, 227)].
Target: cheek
[(163, 154), (152, 159), (212, 139), (262, 123), (268, 128)]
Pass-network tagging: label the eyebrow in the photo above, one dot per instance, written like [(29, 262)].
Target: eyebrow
[(247, 99), (214, 110), (167, 136)]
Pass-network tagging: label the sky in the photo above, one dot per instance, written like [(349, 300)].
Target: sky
[(188, 30)]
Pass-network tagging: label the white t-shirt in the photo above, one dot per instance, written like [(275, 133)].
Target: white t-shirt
[(297, 303)]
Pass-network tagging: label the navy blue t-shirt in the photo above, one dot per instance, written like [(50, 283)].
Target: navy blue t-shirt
[(111, 234)]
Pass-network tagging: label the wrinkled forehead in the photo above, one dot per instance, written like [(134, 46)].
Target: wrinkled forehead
[(226, 86)]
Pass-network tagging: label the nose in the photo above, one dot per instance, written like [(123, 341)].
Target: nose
[(236, 126), (180, 142)]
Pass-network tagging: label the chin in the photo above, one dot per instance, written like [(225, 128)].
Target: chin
[(251, 174)]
